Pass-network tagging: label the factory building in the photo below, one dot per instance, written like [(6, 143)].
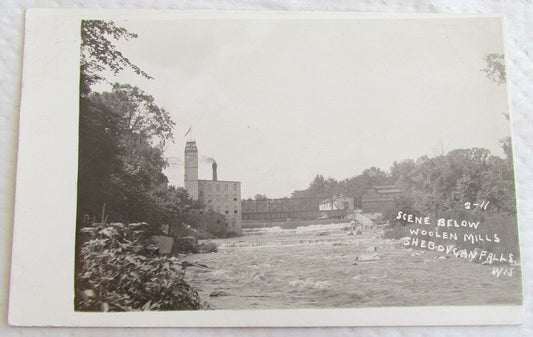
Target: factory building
[(219, 196), (379, 198), (336, 207)]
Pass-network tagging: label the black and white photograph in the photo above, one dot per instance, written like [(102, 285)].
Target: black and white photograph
[(294, 163), (253, 169)]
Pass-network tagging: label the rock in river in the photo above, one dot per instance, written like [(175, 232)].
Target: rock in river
[(367, 257), (218, 293)]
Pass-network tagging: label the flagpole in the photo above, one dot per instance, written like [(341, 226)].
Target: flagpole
[(189, 133)]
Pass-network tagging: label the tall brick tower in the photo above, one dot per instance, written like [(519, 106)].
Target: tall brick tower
[(191, 169)]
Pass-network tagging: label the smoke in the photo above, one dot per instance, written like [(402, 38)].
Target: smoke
[(209, 160)]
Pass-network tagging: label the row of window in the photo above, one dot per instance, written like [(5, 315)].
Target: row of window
[(226, 187), (235, 211), (217, 198)]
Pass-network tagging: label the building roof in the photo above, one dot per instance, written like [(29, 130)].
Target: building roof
[(190, 146), (387, 189), (334, 198), (396, 190), (364, 199)]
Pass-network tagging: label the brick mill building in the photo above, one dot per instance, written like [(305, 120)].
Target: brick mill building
[(219, 196)]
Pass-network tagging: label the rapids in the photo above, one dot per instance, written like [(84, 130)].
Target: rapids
[(324, 266)]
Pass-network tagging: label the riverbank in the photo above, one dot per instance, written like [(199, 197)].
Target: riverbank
[(119, 269), (323, 266)]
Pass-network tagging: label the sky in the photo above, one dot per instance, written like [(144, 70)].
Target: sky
[(277, 102)]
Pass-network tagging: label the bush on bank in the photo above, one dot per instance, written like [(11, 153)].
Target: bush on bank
[(118, 269)]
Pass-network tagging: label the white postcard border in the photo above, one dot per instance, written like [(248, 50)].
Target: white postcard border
[(42, 274)]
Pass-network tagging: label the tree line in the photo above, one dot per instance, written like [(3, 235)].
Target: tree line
[(434, 186), (122, 134)]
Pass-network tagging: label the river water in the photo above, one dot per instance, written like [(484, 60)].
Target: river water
[(326, 266)]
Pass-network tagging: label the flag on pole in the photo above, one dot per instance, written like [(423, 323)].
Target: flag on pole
[(188, 131)]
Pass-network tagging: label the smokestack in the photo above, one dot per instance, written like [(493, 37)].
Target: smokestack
[(214, 171)]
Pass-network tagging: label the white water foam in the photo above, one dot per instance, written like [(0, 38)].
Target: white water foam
[(309, 283)]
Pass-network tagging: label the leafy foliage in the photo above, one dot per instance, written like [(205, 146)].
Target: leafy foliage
[(436, 186), (121, 163), (353, 187), (119, 270), (174, 206), (122, 135), (98, 52), (138, 113), (441, 185), (260, 197), (99, 162), (121, 139)]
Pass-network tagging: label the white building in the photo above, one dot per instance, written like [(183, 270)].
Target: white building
[(336, 203)]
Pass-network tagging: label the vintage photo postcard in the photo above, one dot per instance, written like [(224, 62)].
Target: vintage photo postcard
[(264, 169)]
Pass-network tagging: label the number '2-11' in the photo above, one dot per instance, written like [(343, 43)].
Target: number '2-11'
[(483, 205)]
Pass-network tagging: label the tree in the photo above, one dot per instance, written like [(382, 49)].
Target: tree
[(122, 132), (174, 206), (353, 187), (404, 203), (320, 188), (99, 158), (98, 53), (376, 176), (260, 197), (143, 129), (138, 113), (121, 139), (440, 186), (400, 172)]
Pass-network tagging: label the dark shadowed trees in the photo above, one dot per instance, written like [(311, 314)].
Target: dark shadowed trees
[(122, 135), (138, 113), (121, 180), (121, 162)]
